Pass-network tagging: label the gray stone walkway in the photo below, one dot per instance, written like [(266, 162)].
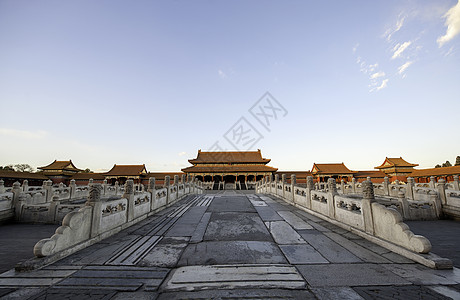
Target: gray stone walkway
[(231, 245)]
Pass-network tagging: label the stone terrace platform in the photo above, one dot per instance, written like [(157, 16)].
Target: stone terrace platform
[(232, 245)]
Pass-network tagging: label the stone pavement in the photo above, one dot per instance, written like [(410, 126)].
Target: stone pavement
[(233, 245)]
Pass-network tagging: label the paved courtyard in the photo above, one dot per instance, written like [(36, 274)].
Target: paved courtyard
[(232, 245)]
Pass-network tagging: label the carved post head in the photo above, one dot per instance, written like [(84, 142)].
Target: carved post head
[(368, 178), (105, 181), (310, 183), (368, 190), (353, 180), (432, 179), (176, 179), (386, 180), (277, 178), (410, 181), (456, 178), (293, 179), (16, 185), (72, 182), (167, 181), (61, 185), (151, 183), (94, 193), (283, 178), (182, 179), (396, 181), (189, 178), (332, 185), (90, 182), (48, 183), (441, 182), (129, 187)]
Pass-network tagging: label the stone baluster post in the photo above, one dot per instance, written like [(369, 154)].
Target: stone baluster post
[(310, 187), (94, 200), (61, 185), (442, 191), (129, 195), (353, 185), (332, 192), (404, 205), (90, 182), (104, 187), (117, 187), (432, 182), (386, 186), (2, 186), (21, 200), (25, 185), (283, 185), (277, 179), (434, 197), (153, 194), (342, 186), (410, 188), (366, 206), (73, 188), (16, 191), (49, 190), (176, 183), (293, 183), (456, 183), (166, 184), (53, 209)]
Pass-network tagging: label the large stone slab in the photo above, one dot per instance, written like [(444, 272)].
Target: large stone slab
[(233, 276), (359, 251), (419, 274), (231, 226), (293, 220), (302, 254), (268, 214), (200, 230), (328, 248), (328, 293), (239, 294), (283, 233), (231, 252), (231, 204), (187, 224), (349, 275), (166, 253)]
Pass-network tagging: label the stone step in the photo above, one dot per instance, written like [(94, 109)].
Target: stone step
[(191, 278)]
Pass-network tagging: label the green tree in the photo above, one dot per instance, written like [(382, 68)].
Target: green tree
[(437, 166), (23, 168), (457, 161), (7, 168), (447, 164)]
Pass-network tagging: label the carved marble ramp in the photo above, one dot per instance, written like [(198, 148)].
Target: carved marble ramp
[(195, 278)]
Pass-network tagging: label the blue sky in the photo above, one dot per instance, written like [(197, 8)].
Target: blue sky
[(133, 82)]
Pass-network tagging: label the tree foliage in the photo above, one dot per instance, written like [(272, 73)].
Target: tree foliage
[(437, 166), (457, 161), (447, 164), (18, 168)]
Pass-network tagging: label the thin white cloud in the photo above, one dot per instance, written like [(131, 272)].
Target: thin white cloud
[(399, 49), (355, 48), (222, 74), (399, 24), (182, 153), (382, 85), (25, 134), (404, 67), (453, 24), (377, 75)]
